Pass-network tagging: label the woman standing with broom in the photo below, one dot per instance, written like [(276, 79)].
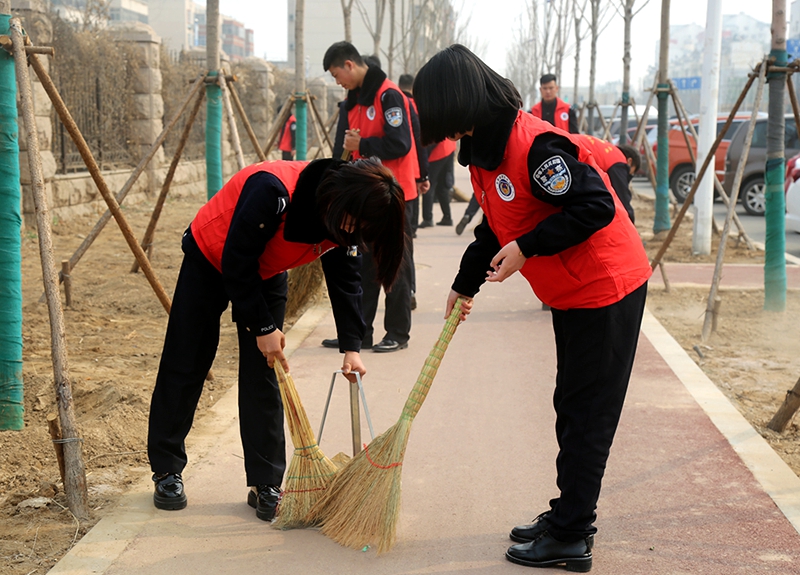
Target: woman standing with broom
[(270, 217), (550, 214)]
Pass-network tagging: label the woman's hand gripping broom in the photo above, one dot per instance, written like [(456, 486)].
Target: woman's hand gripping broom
[(362, 502), (310, 471)]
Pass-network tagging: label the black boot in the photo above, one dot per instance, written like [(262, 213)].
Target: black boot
[(169, 494), (545, 551), (265, 499)]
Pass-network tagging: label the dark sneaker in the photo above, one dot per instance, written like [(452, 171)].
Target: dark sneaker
[(445, 222), (265, 500), (169, 493), (425, 224)]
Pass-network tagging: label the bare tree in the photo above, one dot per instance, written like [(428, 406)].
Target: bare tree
[(375, 28), (578, 17), (599, 11), (523, 60), (96, 14), (625, 9), (347, 13)]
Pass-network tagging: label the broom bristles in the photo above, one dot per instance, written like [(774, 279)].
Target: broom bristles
[(310, 471), (361, 505)]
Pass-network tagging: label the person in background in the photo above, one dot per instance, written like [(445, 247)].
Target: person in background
[(620, 165), (269, 217), (375, 120), (550, 214), (442, 176), (472, 208), (553, 109), (286, 141)]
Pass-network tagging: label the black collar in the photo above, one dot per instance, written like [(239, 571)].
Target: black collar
[(365, 95), (303, 223), (486, 147)]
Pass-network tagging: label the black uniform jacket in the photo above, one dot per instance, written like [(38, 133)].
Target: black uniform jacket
[(586, 207)]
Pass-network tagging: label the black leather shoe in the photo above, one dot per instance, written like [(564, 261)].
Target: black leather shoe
[(527, 533), (445, 222), (462, 224), (413, 301), (425, 224), (265, 500), (334, 343), (387, 345), (169, 492), (544, 551)]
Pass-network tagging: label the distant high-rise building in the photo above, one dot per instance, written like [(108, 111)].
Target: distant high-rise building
[(237, 41)]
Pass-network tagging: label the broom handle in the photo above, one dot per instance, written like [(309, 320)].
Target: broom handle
[(425, 379)]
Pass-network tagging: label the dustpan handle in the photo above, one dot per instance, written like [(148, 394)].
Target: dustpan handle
[(431, 366)]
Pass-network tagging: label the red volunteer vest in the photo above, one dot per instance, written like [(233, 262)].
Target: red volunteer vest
[(561, 115), (369, 119), (285, 144), (211, 224), (605, 153), (442, 150), (595, 273)]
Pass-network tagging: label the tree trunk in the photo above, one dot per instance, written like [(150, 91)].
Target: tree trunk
[(593, 62), (661, 219), (775, 244), (787, 410), (347, 14), (578, 19), (390, 55), (626, 73), (301, 133), (380, 9)]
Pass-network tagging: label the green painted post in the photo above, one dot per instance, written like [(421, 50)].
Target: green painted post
[(301, 117), (661, 220), (213, 137), (11, 397)]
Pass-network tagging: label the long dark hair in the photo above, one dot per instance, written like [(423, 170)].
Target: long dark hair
[(456, 91), (366, 191)]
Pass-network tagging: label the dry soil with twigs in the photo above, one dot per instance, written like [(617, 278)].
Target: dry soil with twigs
[(114, 335)]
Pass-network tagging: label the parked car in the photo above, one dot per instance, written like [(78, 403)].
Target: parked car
[(792, 187), (751, 192), (681, 169)]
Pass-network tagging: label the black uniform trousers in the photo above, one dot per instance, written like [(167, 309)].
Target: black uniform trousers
[(595, 349), (441, 175), (189, 348), (397, 317)]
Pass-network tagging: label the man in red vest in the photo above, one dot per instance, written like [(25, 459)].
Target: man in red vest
[(286, 142), (553, 109), (375, 120), (619, 162)]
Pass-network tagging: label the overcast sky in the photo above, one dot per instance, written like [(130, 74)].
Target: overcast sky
[(493, 22)]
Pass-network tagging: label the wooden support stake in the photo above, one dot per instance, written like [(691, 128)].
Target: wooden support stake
[(94, 170), (67, 282), (58, 447), (149, 234), (74, 470), (104, 219), (737, 181), (321, 124), (715, 313), (787, 410), (248, 128), (690, 196), (667, 287), (226, 100), (286, 111)]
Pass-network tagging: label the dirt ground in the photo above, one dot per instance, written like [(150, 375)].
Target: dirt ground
[(114, 334)]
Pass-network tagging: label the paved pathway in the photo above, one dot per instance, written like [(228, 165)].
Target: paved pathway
[(690, 488)]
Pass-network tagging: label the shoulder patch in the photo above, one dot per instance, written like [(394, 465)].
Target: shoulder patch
[(505, 189), (371, 113), (394, 116), (553, 176)]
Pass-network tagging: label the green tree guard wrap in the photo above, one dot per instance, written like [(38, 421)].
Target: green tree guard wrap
[(11, 398), (775, 240), (661, 220), (301, 117), (213, 138)]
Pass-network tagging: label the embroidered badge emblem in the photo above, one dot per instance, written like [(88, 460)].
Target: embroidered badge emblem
[(394, 116), (371, 113), (504, 187), (553, 176), (564, 116)]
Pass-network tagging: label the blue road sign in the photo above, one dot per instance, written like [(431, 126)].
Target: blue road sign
[(688, 83)]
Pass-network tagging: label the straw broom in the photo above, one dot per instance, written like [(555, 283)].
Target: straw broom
[(310, 471), (362, 503)]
